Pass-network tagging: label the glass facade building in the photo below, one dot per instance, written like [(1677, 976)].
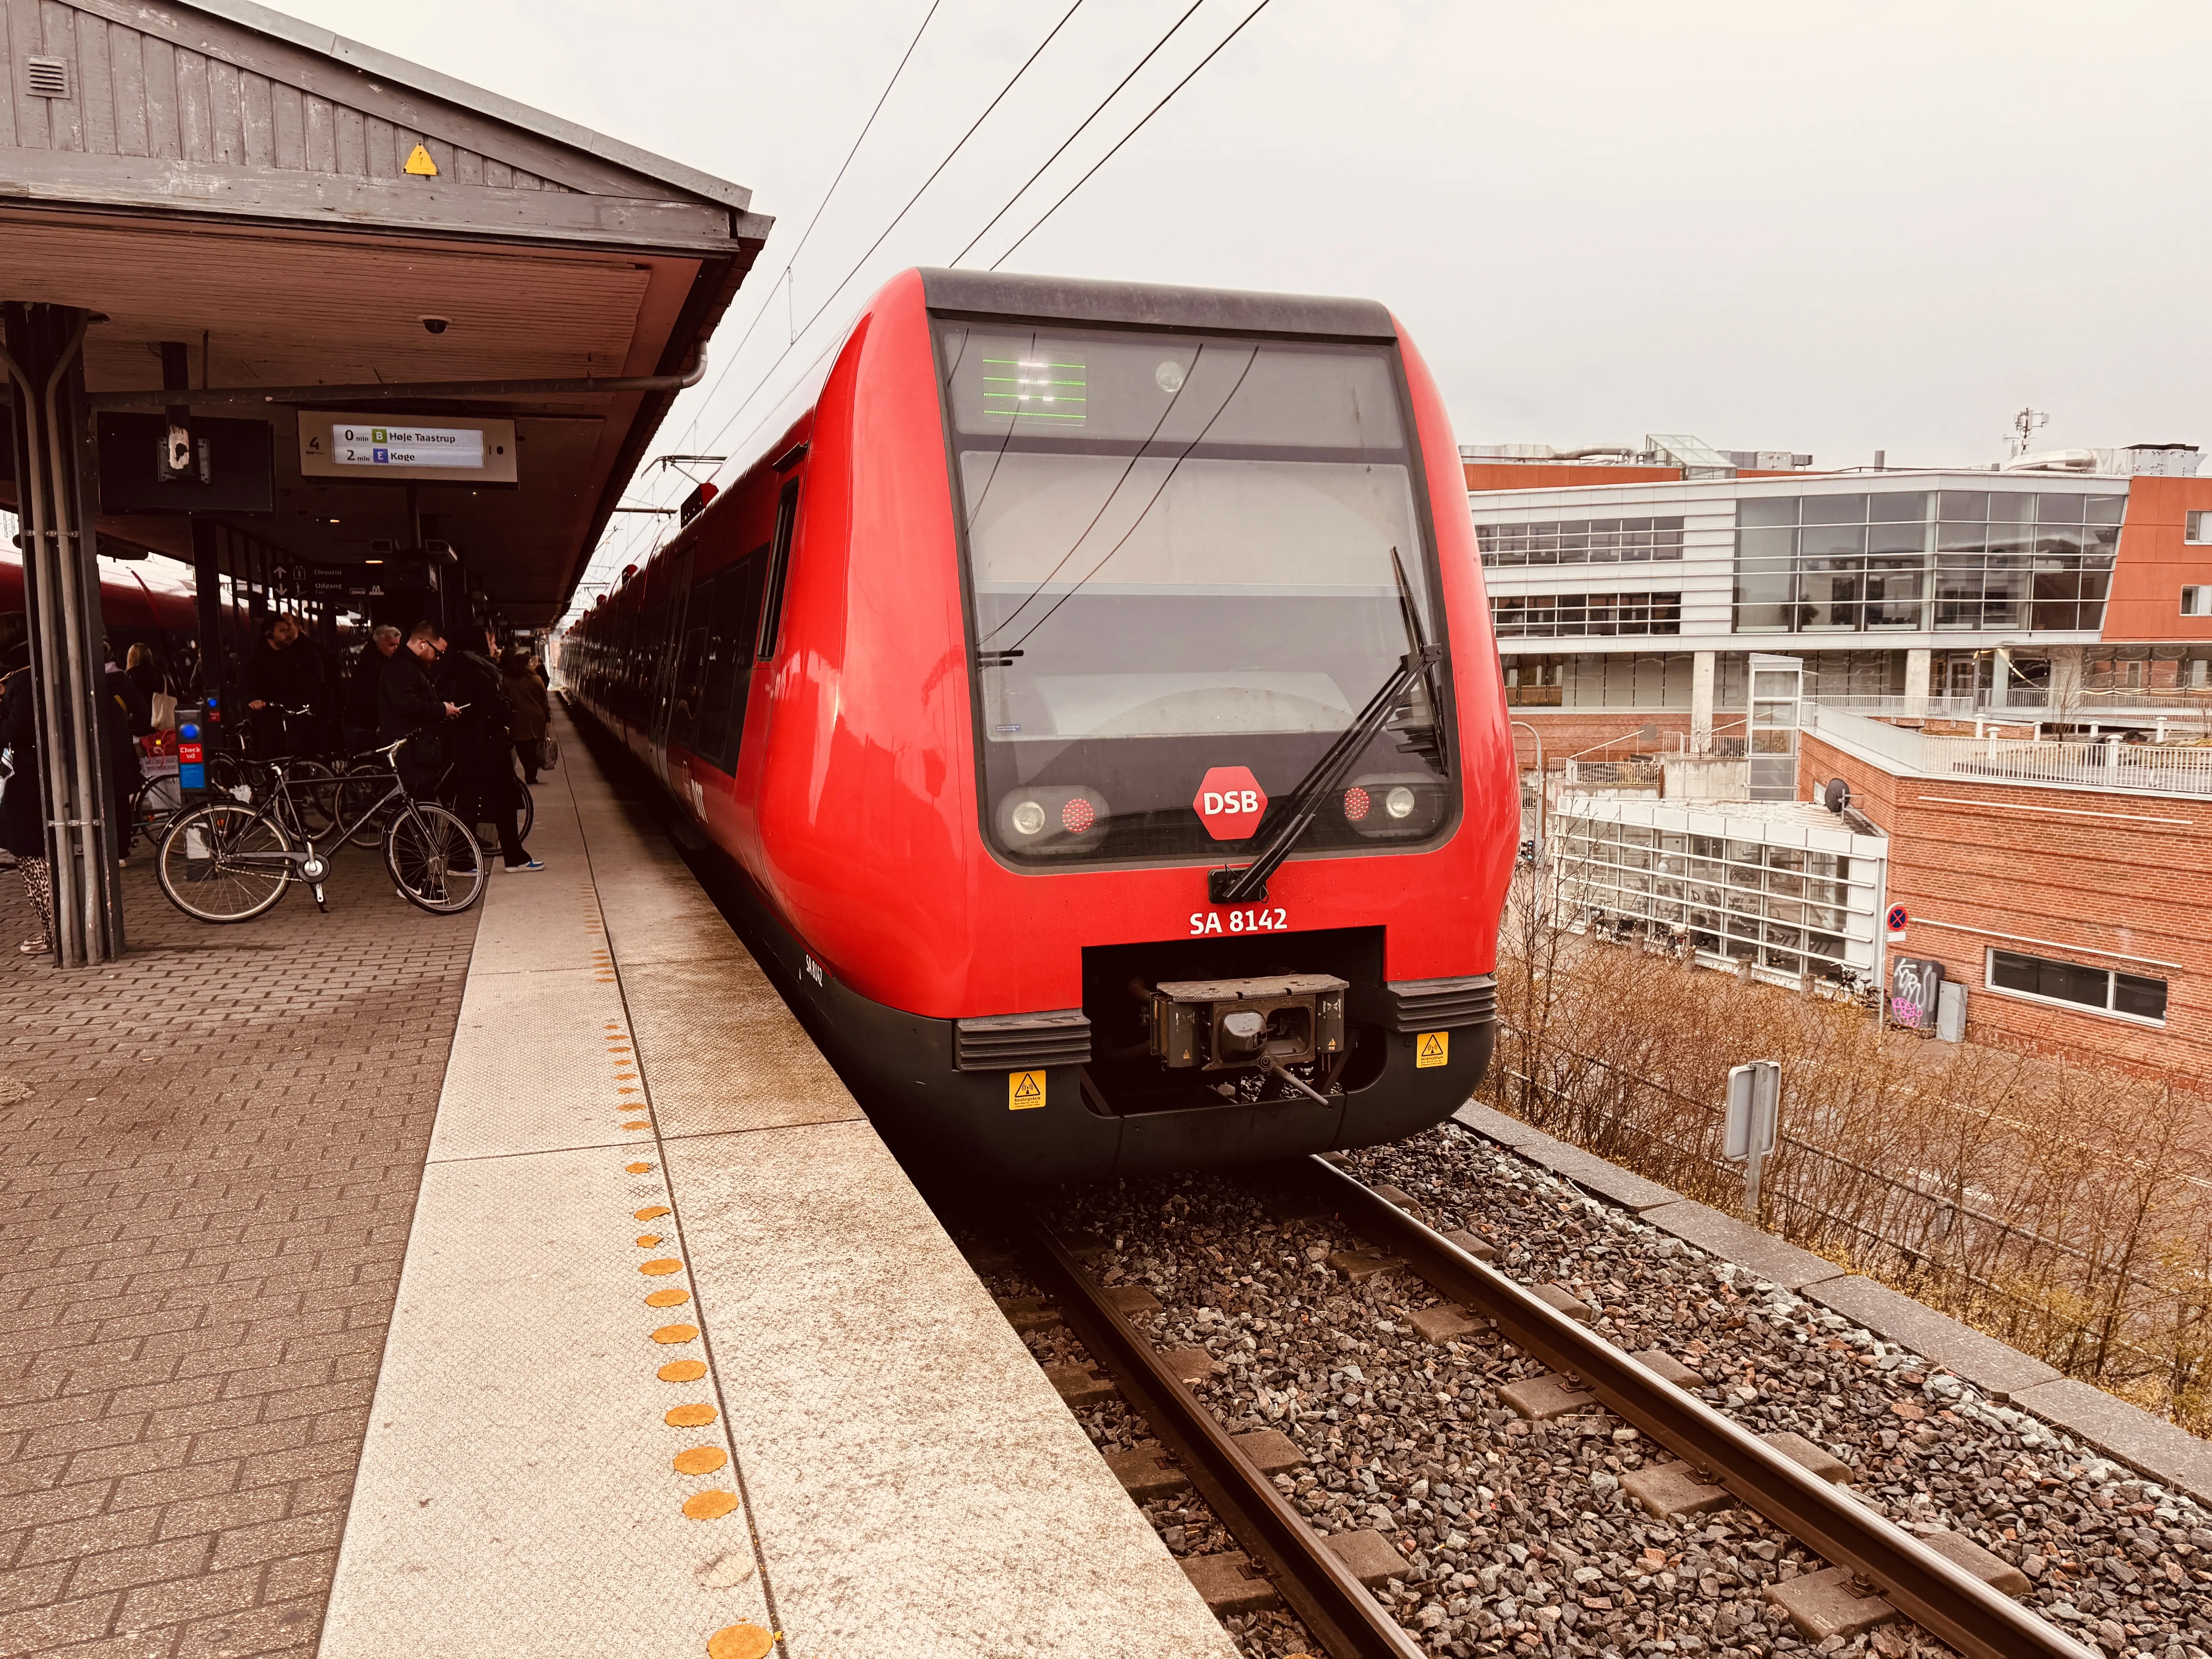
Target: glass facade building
[(1925, 560)]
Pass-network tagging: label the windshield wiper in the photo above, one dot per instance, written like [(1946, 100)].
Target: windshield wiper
[(1239, 886), (1420, 663)]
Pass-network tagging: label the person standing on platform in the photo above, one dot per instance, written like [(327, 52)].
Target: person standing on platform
[(125, 716), (360, 717), (408, 706), (530, 714), (483, 758), (23, 795), (282, 674)]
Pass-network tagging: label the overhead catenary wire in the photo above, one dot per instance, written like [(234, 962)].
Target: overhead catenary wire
[(1127, 136), (860, 263), (1078, 131), (768, 299)]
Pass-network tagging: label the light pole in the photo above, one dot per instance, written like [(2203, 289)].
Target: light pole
[(1539, 738)]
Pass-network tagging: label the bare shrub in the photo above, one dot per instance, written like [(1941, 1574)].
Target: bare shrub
[(2066, 1211)]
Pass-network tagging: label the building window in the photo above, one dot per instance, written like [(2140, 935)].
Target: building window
[(1786, 910), (2196, 601), (1908, 561), (2199, 530), (1559, 616), (2071, 985), (1580, 541)]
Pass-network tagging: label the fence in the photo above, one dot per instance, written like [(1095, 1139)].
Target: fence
[(2155, 767), (1915, 1232), (2065, 1212), (2158, 769)]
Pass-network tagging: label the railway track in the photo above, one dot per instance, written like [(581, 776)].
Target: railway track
[(1873, 1555)]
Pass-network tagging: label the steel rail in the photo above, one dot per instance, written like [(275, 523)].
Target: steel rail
[(1942, 1598), (1337, 1610)]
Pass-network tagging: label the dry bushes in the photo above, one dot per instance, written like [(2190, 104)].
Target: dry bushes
[(2068, 1211)]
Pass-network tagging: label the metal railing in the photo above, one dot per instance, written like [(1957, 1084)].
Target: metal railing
[(2032, 701), (2156, 769)]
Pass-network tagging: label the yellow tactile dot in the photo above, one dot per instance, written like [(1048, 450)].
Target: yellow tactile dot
[(638, 1168), (667, 1299), (710, 1505), (647, 1241), (670, 1333), (651, 1212), (690, 1417), (682, 1371), (659, 1265), (699, 1460), (740, 1642)]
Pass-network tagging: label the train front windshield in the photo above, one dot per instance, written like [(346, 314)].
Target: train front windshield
[(1188, 555)]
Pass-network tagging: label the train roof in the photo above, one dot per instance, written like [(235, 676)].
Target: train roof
[(1154, 305)]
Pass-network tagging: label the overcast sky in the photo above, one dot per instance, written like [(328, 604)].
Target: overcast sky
[(1829, 228)]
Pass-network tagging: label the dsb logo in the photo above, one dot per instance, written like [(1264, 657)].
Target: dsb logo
[(1230, 803)]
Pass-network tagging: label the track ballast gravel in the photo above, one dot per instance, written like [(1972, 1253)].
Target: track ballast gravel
[(1517, 1536)]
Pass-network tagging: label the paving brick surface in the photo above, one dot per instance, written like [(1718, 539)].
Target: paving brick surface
[(204, 1201)]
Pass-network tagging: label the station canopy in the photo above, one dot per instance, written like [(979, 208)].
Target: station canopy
[(302, 215)]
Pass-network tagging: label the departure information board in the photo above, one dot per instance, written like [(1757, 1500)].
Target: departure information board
[(393, 448)]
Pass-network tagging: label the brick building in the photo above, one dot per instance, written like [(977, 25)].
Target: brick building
[(2071, 905)]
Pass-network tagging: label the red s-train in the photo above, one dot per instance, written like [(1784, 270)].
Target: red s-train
[(1095, 690)]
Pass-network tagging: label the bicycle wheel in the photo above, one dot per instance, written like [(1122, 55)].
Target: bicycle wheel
[(223, 862), (358, 793), (434, 858), (225, 776), (314, 795), (157, 801)]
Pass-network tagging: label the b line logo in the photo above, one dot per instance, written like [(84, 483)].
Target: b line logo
[(1230, 803)]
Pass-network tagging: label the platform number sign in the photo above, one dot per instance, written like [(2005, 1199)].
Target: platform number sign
[(1025, 1090), (1432, 1049)]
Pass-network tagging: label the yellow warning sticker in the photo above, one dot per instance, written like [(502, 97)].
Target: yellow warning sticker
[(1432, 1049), (420, 164), (1025, 1090)]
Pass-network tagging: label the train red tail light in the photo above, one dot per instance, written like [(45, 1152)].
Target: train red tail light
[(1357, 802), (1078, 816)]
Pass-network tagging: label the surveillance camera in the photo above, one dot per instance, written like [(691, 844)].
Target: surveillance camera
[(437, 325)]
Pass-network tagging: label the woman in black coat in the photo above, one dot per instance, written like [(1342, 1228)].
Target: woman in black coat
[(22, 797)]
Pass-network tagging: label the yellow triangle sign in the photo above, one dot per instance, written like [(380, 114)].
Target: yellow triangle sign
[(1433, 1048), (1025, 1091), (420, 164)]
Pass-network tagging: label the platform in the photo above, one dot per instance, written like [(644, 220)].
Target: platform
[(235, 1154), (677, 1349)]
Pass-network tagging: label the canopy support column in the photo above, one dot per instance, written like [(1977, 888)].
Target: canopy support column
[(55, 463)]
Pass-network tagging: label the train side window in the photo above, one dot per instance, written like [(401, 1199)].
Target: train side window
[(778, 567), (737, 621), (691, 669)]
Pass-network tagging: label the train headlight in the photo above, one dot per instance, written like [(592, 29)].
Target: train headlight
[(1397, 806), (1051, 819)]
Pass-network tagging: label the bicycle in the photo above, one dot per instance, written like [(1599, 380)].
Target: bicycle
[(344, 793), (231, 860)]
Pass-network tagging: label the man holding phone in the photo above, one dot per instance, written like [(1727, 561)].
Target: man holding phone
[(408, 706)]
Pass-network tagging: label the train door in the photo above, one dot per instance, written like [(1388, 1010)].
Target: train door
[(667, 654)]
